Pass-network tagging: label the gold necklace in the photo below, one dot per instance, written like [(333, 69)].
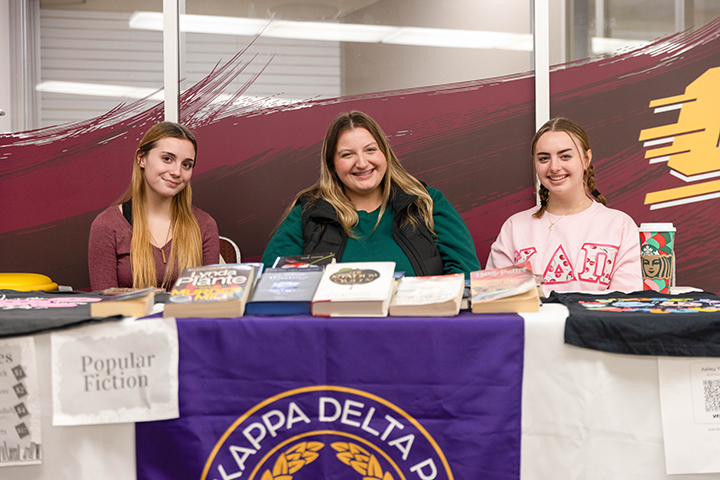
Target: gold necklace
[(167, 237), (552, 224)]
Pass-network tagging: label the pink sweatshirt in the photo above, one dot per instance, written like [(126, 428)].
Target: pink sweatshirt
[(597, 249)]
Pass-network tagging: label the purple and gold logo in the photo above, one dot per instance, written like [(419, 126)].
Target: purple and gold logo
[(326, 432)]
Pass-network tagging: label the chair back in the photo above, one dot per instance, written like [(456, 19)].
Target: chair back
[(229, 251)]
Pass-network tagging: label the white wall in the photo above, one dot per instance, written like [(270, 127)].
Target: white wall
[(378, 67)]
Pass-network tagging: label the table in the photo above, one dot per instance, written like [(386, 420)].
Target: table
[(585, 415)]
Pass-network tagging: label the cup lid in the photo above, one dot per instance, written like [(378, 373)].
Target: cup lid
[(657, 227)]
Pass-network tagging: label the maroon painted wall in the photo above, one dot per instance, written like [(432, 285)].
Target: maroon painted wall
[(470, 140)]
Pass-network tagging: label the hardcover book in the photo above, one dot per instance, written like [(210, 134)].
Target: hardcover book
[(128, 302), (433, 296), (284, 291), (360, 289), (216, 291), (510, 289), (304, 261)]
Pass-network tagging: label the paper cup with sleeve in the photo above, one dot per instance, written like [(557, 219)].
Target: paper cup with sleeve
[(657, 251)]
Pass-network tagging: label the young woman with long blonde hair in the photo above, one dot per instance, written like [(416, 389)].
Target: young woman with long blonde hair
[(367, 207), (153, 231)]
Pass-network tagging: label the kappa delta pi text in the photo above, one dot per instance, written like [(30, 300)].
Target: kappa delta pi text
[(349, 413)]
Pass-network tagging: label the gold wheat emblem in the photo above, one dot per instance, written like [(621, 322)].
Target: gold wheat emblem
[(292, 460), (361, 460)]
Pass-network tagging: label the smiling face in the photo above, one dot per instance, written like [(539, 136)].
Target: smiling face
[(651, 267), (656, 266), (560, 164), (167, 168), (360, 165)]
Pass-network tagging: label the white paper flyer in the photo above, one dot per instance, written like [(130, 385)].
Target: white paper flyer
[(690, 405), (20, 425), (115, 372)]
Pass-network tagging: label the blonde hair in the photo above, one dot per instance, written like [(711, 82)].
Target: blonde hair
[(576, 133), (186, 249), (331, 189)]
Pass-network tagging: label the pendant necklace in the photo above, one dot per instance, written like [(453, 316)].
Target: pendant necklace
[(552, 224), (167, 237)]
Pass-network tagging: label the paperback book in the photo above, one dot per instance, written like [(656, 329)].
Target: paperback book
[(360, 289), (216, 291), (510, 289), (304, 261), (433, 296), (284, 291), (128, 302)]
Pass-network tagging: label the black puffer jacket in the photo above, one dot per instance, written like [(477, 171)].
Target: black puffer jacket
[(323, 233)]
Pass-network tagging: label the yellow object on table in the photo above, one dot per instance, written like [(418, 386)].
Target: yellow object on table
[(26, 282)]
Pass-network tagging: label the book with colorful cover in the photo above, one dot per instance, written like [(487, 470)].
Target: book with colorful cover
[(431, 296), (358, 289), (284, 291), (215, 291), (304, 261), (509, 289)]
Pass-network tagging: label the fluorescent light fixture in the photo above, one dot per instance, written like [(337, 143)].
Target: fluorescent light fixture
[(331, 32), (340, 32), (136, 93), (611, 45), (99, 90), (445, 37), (353, 32)]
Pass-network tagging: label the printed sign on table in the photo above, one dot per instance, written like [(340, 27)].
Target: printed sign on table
[(690, 405), (20, 426), (115, 373)]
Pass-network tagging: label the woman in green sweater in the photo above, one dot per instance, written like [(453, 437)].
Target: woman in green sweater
[(367, 207)]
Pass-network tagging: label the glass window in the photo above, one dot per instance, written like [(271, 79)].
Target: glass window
[(604, 26), (91, 61), (97, 54)]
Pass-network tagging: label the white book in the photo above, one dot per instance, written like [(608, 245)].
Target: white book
[(432, 296), (359, 289)]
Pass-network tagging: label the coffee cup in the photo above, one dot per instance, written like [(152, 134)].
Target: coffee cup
[(657, 252)]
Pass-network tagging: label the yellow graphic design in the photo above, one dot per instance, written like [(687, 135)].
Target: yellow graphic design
[(361, 460), (693, 154), (292, 460)]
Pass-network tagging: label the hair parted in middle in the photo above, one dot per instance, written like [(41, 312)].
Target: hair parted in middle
[(330, 188), (577, 134), (186, 248)]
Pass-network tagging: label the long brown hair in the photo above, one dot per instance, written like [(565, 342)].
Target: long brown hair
[(577, 134), (186, 249), (330, 188)]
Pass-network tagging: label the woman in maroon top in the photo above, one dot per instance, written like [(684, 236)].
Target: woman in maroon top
[(154, 232)]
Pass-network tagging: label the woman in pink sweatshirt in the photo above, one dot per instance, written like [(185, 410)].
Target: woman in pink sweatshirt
[(572, 240)]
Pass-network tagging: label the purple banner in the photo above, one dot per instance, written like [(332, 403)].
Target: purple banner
[(302, 397)]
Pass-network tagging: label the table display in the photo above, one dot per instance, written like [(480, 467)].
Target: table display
[(585, 414)]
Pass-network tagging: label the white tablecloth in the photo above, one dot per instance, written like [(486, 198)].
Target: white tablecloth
[(586, 415)]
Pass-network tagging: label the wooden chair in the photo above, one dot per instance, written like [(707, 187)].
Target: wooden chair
[(229, 251)]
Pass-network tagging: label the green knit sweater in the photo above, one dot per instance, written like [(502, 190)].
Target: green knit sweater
[(453, 239)]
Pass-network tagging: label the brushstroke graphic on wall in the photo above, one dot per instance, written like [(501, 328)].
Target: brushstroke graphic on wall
[(470, 140)]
